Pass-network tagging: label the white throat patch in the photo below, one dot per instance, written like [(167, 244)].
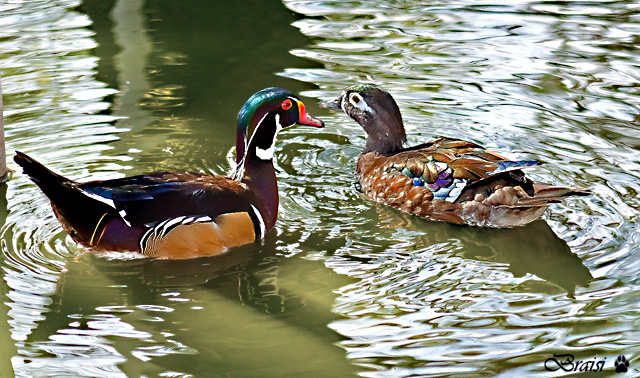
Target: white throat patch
[(267, 154)]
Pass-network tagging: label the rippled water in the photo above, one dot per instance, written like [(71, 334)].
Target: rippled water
[(103, 89)]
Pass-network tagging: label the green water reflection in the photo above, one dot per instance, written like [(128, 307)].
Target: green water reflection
[(250, 313), (203, 60)]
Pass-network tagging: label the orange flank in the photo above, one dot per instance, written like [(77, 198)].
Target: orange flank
[(203, 239)]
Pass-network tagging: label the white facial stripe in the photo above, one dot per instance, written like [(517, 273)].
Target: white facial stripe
[(267, 154), (260, 221), (361, 104), (246, 144), (344, 102), (239, 171)]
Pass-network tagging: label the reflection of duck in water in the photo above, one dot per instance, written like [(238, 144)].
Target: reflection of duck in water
[(444, 179), (533, 248), (218, 309)]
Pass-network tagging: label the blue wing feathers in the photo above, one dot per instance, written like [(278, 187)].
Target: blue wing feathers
[(504, 165)]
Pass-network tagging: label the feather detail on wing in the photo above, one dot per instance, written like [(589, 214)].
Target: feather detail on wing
[(156, 197), (458, 182)]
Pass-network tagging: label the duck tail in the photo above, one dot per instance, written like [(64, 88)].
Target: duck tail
[(79, 213), (556, 193), (546, 194), (51, 183)]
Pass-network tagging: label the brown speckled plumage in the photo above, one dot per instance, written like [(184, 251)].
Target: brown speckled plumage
[(444, 179)]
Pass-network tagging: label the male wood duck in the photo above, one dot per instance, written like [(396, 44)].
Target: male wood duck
[(182, 214), (443, 179)]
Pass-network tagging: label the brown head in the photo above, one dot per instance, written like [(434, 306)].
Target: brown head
[(378, 114)]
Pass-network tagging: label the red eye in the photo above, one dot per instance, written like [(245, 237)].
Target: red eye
[(286, 104)]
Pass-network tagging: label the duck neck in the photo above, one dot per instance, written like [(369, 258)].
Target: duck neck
[(260, 178), (386, 137), (382, 147), (255, 167)]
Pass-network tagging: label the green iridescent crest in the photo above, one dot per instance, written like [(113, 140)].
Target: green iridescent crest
[(256, 107), (360, 87)]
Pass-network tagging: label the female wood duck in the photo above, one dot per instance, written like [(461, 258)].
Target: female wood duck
[(182, 214), (444, 179)]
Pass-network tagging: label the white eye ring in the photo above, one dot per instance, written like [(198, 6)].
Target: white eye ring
[(357, 101)]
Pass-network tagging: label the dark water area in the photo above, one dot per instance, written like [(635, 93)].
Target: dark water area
[(342, 286)]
